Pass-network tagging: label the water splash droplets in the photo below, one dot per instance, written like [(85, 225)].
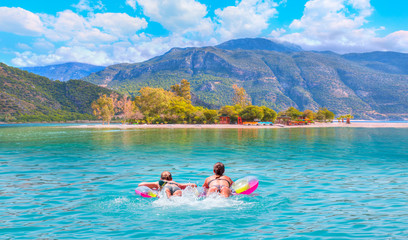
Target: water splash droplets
[(192, 201)]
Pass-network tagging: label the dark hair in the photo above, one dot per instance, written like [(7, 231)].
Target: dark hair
[(219, 168), (166, 175)]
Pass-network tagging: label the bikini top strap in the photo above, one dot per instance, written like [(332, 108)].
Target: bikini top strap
[(173, 183), (218, 178)]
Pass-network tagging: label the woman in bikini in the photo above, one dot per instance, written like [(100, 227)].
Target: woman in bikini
[(166, 182), (218, 182)]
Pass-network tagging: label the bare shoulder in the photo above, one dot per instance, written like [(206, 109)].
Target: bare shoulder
[(229, 179), (206, 182), (209, 178)]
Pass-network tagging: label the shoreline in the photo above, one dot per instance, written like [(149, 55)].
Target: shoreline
[(235, 126)]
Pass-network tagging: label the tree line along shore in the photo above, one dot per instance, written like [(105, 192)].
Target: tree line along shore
[(174, 106)]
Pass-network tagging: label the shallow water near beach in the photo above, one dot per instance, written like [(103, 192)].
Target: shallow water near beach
[(314, 183)]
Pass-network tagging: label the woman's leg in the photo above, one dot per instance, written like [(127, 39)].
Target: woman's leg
[(168, 192), (178, 193), (212, 190), (226, 191)]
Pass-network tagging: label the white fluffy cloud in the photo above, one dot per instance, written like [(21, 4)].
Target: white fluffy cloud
[(106, 54), (100, 27), (396, 41), (338, 25), (20, 22), (178, 16), (118, 24), (327, 24), (247, 19), (131, 3), (85, 5), (43, 45), (65, 26), (90, 39), (63, 54)]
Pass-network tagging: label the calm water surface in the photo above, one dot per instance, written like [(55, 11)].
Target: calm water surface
[(314, 183)]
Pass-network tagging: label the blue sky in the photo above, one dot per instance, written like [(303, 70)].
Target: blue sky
[(105, 32)]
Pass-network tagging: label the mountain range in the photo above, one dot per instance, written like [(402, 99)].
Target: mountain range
[(275, 74)]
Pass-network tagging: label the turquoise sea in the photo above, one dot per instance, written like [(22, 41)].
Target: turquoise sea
[(315, 183)]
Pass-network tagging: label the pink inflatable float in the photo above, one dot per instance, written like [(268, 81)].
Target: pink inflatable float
[(246, 185)]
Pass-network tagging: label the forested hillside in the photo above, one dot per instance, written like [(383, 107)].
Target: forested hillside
[(25, 96)]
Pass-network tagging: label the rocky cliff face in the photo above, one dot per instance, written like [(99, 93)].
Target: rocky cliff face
[(276, 78)]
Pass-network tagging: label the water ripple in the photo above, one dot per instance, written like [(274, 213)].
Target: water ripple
[(314, 183)]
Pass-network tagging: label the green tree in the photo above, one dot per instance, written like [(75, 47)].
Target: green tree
[(348, 116), (182, 89), (104, 108), (269, 114), (180, 110), (153, 102), (8, 118), (309, 114), (292, 112), (176, 88), (238, 108), (229, 111), (250, 113), (210, 115), (185, 90), (324, 115), (198, 115), (241, 98)]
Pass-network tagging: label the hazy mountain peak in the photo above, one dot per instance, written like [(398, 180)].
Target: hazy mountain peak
[(259, 44), (65, 71)]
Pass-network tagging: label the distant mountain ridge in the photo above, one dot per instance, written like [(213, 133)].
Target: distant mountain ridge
[(28, 97), (389, 62), (259, 44), (65, 71)]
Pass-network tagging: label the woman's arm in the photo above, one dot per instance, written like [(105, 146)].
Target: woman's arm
[(205, 185), (152, 185), (230, 180)]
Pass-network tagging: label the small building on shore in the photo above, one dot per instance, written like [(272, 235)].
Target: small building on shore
[(285, 120), (224, 119)]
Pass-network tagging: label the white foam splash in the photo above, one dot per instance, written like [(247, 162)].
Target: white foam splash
[(190, 200), (120, 200)]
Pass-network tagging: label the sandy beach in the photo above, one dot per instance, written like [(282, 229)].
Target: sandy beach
[(235, 126)]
